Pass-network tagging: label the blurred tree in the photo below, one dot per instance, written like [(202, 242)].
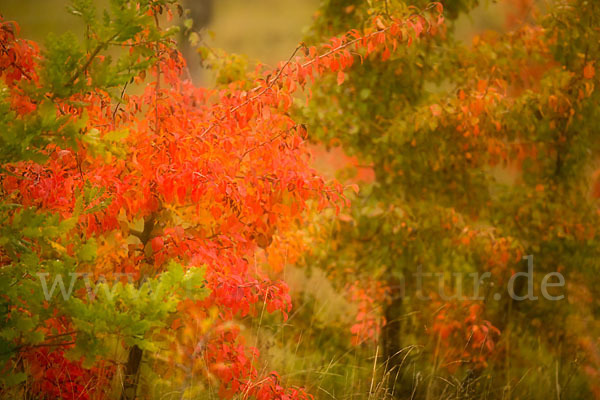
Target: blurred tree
[(482, 154), (201, 14)]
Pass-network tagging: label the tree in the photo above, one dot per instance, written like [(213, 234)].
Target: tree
[(483, 155), (140, 213)]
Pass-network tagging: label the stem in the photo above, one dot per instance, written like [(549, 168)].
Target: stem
[(85, 66), (270, 83)]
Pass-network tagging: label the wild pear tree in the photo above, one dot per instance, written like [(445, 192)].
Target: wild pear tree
[(483, 154)]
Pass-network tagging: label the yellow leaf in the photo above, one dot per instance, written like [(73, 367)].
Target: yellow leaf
[(57, 246)]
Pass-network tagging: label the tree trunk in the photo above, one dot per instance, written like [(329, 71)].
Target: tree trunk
[(390, 337), (134, 359), (132, 369), (201, 12)]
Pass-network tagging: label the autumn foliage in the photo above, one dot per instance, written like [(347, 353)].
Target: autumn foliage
[(155, 207), (164, 240)]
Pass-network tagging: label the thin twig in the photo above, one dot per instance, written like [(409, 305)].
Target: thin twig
[(119, 104), (91, 58), (272, 82), (269, 86)]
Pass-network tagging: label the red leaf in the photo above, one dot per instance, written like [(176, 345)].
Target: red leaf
[(157, 244)]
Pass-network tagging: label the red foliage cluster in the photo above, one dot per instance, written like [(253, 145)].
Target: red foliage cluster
[(17, 61), (462, 339), (58, 378), (16, 55), (367, 296)]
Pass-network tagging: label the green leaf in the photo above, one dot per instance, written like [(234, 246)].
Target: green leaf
[(115, 136), (88, 251), (11, 380)]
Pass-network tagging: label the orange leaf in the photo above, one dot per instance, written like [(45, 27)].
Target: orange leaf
[(385, 55), (588, 71), (436, 110), (482, 85), (340, 77)]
